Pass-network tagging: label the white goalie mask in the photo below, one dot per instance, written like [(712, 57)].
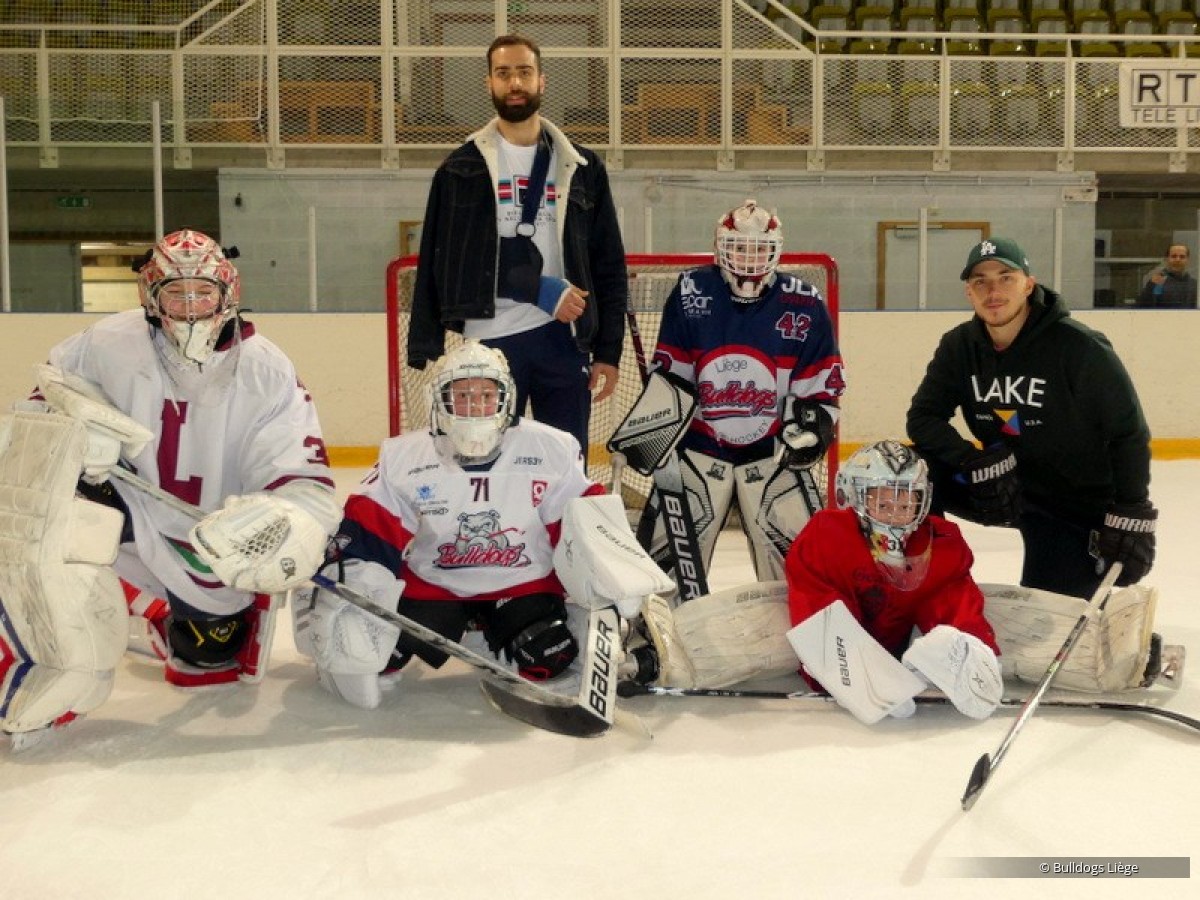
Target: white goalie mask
[(189, 290), (747, 245), (472, 401), (887, 486)]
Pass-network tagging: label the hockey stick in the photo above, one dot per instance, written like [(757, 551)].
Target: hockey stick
[(633, 689), (986, 765), (590, 713)]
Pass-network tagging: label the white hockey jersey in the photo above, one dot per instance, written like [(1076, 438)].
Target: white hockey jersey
[(242, 423), (478, 533)]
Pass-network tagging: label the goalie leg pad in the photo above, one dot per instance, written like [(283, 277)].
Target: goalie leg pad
[(1032, 624), (600, 562), (674, 666), (532, 632), (60, 603), (854, 667), (349, 646), (709, 486), (737, 634), (775, 504)]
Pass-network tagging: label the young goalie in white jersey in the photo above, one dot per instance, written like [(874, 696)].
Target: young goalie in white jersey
[(185, 394), (481, 519)]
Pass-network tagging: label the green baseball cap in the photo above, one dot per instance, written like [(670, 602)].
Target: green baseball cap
[(1004, 250)]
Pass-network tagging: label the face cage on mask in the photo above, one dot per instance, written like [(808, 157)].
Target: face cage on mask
[(748, 280), (193, 339), (473, 439), (886, 537)]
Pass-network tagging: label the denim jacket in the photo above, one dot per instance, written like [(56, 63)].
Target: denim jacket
[(456, 277)]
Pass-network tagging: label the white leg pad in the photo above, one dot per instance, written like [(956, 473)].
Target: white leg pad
[(737, 634), (62, 607), (349, 646), (1031, 625)]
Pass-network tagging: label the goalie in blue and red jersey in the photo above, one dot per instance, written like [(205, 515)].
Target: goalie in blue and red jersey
[(758, 349)]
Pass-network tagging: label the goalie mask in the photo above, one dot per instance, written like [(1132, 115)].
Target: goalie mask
[(472, 402), (887, 486), (748, 243), (190, 291)]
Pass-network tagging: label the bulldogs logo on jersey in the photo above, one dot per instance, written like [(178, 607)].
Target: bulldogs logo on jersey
[(738, 395), (481, 542)]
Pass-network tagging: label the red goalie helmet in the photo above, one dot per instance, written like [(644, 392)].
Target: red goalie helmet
[(190, 290)]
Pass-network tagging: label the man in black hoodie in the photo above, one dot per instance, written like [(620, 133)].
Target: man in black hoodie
[(1065, 452)]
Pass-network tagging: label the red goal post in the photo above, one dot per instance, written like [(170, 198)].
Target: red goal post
[(651, 278)]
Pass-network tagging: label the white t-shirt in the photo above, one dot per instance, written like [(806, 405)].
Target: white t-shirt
[(515, 164)]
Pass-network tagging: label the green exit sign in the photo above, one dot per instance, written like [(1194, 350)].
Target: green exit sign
[(73, 202)]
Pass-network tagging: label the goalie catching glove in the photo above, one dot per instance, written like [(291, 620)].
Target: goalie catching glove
[(806, 432), (110, 433), (961, 666), (267, 542)]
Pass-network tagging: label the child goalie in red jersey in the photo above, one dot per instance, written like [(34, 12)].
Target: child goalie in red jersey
[(879, 604)]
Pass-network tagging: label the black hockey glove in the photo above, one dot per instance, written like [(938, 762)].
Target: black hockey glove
[(993, 489), (1127, 536), (806, 433)]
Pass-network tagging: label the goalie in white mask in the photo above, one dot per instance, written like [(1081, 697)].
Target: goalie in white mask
[(476, 520), (189, 396)]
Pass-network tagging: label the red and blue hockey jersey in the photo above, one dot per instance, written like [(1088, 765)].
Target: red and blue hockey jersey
[(744, 358)]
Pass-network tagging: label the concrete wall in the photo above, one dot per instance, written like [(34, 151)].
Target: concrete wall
[(342, 358), (330, 233)]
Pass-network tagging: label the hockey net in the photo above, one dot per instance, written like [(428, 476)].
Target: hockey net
[(651, 278)]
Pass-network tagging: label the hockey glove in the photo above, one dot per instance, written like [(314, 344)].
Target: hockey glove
[(993, 489), (1127, 536), (806, 432)]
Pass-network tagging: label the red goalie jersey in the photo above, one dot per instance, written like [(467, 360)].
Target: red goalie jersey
[(832, 560)]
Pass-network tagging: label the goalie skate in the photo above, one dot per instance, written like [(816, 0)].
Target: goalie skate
[(1165, 665)]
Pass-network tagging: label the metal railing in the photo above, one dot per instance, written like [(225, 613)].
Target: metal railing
[(634, 75)]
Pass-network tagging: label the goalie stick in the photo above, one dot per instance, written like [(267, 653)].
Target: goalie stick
[(986, 765), (633, 689), (590, 713)]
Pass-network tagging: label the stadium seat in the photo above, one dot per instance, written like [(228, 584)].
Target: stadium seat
[(874, 106), (919, 108), (1003, 9), (924, 21), (963, 21), (970, 109), (829, 18), (869, 19), (1095, 22), (1048, 22), (1010, 22), (1139, 22)]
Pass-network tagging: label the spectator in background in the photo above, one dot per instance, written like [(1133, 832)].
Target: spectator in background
[(1171, 285)]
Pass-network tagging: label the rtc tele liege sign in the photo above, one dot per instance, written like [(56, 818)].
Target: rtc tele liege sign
[(1160, 94)]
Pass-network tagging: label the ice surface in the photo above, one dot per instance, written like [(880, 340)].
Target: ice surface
[(280, 791)]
